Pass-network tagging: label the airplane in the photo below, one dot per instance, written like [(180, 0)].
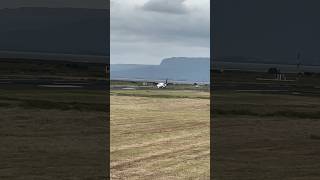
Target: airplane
[(162, 85)]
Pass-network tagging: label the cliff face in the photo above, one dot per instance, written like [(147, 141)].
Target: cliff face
[(177, 69), (55, 30)]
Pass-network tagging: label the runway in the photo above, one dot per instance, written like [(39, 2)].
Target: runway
[(252, 86), (6, 83), (127, 87), (54, 83), (266, 88)]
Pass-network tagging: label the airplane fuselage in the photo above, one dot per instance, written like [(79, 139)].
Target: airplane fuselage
[(161, 85)]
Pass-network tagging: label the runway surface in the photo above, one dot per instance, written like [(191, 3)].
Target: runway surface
[(125, 87), (267, 88), (252, 86), (103, 85), (53, 83)]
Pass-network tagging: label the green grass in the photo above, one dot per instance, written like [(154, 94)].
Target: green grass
[(163, 93), (265, 105), (55, 69), (245, 112), (80, 100)]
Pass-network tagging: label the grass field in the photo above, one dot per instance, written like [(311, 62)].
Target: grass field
[(266, 136), (51, 134), (160, 134), (28, 68)]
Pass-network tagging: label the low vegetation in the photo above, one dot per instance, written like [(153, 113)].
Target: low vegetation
[(160, 134), (265, 135), (52, 134), (266, 105), (185, 94), (15, 68)]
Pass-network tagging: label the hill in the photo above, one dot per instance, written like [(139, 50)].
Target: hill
[(281, 61), (175, 69)]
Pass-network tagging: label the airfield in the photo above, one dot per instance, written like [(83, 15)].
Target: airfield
[(159, 133), (262, 128), (53, 120), (27, 83), (265, 128)]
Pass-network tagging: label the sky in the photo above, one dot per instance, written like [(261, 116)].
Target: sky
[(269, 29), (59, 31), (96, 4), (147, 31)]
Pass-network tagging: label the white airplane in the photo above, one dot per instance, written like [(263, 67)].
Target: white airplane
[(162, 85)]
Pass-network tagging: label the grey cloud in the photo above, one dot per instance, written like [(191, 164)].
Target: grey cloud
[(148, 37), (186, 30), (191, 28), (166, 6)]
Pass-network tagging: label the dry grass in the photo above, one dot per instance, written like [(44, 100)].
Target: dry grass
[(160, 138), (266, 137), (48, 143)]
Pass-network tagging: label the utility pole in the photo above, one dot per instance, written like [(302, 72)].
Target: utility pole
[(298, 61), (299, 65)]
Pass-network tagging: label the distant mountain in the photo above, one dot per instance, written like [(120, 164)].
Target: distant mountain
[(283, 61), (55, 30), (175, 69)]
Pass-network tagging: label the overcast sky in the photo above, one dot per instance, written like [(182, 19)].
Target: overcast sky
[(267, 29), (147, 31), (97, 4)]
